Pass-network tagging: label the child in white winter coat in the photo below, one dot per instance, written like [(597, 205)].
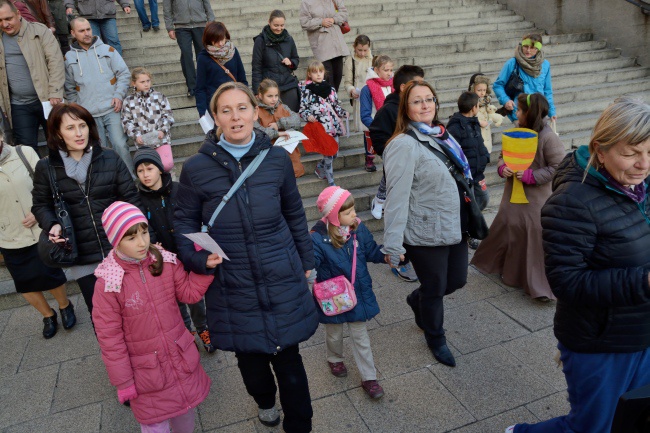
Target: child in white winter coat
[(480, 84), (319, 103)]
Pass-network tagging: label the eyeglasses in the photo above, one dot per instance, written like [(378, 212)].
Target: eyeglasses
[(428, 101)]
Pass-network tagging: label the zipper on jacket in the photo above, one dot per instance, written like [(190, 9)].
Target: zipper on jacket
[(86, 193), (142, 277)]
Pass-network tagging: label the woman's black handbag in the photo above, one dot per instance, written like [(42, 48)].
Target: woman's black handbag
[(58, 254), (515, 84), (477, 227)]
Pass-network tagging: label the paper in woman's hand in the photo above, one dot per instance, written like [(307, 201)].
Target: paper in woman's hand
[(289, 144), (206, 122), (207, 243)]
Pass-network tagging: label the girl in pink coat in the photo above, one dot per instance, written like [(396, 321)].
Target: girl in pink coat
[(149, 355)]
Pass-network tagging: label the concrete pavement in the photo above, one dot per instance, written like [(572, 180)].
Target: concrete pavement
[(503, 343)]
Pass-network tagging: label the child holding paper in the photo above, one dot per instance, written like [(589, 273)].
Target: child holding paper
[(274, 118)]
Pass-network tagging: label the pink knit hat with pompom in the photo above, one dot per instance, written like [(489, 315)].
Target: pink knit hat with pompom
[(118, 218), (329, 203)]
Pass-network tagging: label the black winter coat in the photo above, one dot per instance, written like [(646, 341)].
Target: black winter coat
[(467, 132), (159, 209), (267, 62), (259, 301), (383, 125), (108, 180), (597, 246)]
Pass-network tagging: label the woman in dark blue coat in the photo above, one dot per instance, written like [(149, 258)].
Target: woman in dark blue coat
[(259, 305), (596, 231), (335, 237)]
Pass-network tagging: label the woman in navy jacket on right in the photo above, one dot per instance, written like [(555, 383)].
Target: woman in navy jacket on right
[(596, 231)]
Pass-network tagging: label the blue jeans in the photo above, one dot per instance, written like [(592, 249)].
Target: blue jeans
[(106, 29), (25, 120), (186, 37), (109, 127), (142, 13), (595, 381)]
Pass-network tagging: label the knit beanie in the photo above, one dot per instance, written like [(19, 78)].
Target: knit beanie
[(329, 203), (118, 218), (147, 154)]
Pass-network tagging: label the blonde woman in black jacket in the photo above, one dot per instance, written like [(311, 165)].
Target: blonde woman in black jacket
[(596, 231)]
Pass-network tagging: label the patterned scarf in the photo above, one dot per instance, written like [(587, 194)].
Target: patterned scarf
[(272, 37), (344, 231), (484, 101), (379, 89), (439, 132), (637, 194), (532, 66), (113, 274), (224, 54)]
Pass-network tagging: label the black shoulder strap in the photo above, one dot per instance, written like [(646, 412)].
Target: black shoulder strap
[(21, 155), (354, 72)]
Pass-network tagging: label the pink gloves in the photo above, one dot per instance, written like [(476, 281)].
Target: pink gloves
[(127, 394), (528, 177)]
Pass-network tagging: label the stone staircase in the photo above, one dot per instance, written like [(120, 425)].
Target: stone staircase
[(450, 39)]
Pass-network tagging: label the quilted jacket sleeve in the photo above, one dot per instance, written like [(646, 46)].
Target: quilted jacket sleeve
[(191, 287)]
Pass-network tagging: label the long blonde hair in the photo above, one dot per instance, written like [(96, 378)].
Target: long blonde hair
[(625, 120), (333, 231)]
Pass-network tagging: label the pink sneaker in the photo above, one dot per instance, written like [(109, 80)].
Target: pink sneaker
[(372, 388), (338, 369)]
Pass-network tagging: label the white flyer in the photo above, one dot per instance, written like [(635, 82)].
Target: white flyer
[(289, 144), (47, 107), (206, 123), (207, 243)]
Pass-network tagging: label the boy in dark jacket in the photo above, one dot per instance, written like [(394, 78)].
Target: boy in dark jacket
[(158, 194), (465, 128)]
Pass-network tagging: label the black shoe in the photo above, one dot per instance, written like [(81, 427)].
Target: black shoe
[(416, 311), (443, 355), (190, 93), (473, 243), (146, 29), (49, 326), (156, 28), (68, 318)]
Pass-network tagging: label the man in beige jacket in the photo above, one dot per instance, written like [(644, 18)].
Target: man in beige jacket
[(32, 72)]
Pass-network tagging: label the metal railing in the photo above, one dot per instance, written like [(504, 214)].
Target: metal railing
[(644, 6)]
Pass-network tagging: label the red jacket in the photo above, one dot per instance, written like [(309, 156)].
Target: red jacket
[(143, 339)]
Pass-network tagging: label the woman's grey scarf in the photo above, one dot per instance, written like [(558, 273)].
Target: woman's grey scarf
[(533, 66), (77, 170)]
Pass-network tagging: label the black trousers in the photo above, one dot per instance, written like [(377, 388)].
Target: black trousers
[(186, 38), (255, 369), (87, 286), (291, 98), (441, 271), (26, 120), (334, 71)]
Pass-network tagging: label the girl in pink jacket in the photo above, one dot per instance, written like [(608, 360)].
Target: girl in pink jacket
[(149, 355)]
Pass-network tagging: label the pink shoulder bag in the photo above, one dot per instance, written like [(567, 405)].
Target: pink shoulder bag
[(336, 295)]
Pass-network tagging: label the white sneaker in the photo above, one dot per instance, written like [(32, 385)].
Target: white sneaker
[(269, 417), (377, 208), (510, 429)]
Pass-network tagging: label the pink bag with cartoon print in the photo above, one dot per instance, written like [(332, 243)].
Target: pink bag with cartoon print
[(336, 295)]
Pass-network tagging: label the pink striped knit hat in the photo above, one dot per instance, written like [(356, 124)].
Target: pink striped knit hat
[(118, 218), (329, 203)]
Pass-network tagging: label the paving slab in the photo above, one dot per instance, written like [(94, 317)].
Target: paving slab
[(413, 402), (117, 417), (521, 308), (337, 413), (13, 351), (550, 407), (27, 396), (478, 287), (228, 402), (240, 427), (85, 419), (72, 388), (475, 326), (78, 342), (503, 382), (537, 350), (498, 424)]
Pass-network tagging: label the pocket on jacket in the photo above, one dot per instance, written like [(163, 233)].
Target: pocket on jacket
[(426, 226), (189, 352), (85, 7), (147, 374)]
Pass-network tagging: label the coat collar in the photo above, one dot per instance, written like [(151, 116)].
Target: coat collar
[(217, 153), (165, 189)]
